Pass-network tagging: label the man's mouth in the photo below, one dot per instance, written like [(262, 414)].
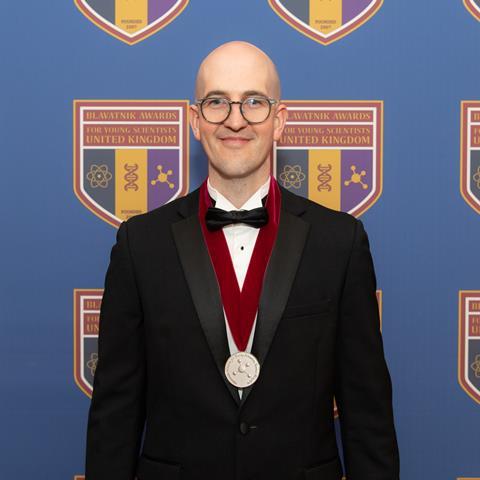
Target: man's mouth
[(233, 141)]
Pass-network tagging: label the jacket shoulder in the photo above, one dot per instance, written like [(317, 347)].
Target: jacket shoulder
[(169, 213), (315, 212)]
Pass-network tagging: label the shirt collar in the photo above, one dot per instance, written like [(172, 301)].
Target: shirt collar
[(254, 201)]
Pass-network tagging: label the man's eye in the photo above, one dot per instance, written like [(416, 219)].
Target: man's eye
[(253, 102), (215, 102)]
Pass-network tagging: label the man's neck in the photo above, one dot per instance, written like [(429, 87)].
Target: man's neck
[(237, 190)]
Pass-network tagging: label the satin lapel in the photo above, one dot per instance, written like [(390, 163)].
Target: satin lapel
[(279, 276), (203, 286)]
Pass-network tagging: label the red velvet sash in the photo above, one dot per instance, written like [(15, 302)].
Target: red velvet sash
[(241, 305)]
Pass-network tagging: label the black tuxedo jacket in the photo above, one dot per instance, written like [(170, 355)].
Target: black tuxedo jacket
[(162, 408)]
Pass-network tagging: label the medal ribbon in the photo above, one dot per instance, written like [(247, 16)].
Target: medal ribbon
[(241, 305)]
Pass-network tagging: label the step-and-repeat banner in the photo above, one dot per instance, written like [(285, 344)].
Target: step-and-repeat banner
[(383, 123)]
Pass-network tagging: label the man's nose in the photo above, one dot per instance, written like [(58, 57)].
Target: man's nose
[(235, 120)]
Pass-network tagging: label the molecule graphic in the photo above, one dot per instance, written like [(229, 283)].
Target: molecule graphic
[(356, 177), (292, 176), (476, 177), (99, 176), (162, 177), (242, 368)]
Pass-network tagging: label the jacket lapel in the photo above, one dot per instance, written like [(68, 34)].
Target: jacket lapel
[(279, 276), (202, 281), (203, 284)]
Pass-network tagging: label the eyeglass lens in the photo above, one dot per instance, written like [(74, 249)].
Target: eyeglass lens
[(253, 109)]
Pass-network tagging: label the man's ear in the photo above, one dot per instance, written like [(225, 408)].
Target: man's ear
[(195, 120), (279, 121)]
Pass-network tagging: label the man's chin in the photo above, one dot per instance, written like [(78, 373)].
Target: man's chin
[(237, 173)]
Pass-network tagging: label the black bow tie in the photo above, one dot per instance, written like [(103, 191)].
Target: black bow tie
[(217, 218)]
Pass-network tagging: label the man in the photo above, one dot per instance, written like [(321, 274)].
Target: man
[(224, 337)]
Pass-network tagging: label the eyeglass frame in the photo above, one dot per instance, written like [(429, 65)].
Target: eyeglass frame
[(271, 101)]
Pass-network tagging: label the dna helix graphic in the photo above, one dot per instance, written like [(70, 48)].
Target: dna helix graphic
[(130, 177), (324, 178)]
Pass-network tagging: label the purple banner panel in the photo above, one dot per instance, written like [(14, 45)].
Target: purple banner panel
[(157, 8), (353, 8), (357, 184), (163, 176)]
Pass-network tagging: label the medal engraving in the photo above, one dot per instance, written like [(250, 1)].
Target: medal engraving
[(242, 369)]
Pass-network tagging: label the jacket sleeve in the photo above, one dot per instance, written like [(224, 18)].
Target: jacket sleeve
[(117, 413), (363, 388)]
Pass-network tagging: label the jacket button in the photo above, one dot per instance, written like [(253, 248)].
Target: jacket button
[(244, 428)]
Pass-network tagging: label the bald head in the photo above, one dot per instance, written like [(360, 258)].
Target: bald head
[(237, 64)]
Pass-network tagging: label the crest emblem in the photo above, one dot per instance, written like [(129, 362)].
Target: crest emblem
[(86, 315), (131, 20), (473, 6), (325, 21), (469, 342), (129, 156), (470, 154), (331, 153)]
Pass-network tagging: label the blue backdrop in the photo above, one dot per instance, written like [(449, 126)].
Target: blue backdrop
[(420, 58)]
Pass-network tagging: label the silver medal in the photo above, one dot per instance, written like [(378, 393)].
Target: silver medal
[(242, 369)]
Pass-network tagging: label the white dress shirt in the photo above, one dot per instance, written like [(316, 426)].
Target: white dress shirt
[(241, 240)]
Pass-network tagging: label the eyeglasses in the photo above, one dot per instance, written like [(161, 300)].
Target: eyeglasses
[(254, 109)]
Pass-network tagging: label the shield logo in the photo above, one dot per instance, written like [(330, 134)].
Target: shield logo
[(325, 21), (469, 342), (86, 316), (470, 154), (131, 20), (331, 153), (129, 156), (473, 6)]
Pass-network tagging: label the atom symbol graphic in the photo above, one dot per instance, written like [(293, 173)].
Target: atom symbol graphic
[(92, 363), (99, 176), (476, 366), (476, 177), (292, 176)]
